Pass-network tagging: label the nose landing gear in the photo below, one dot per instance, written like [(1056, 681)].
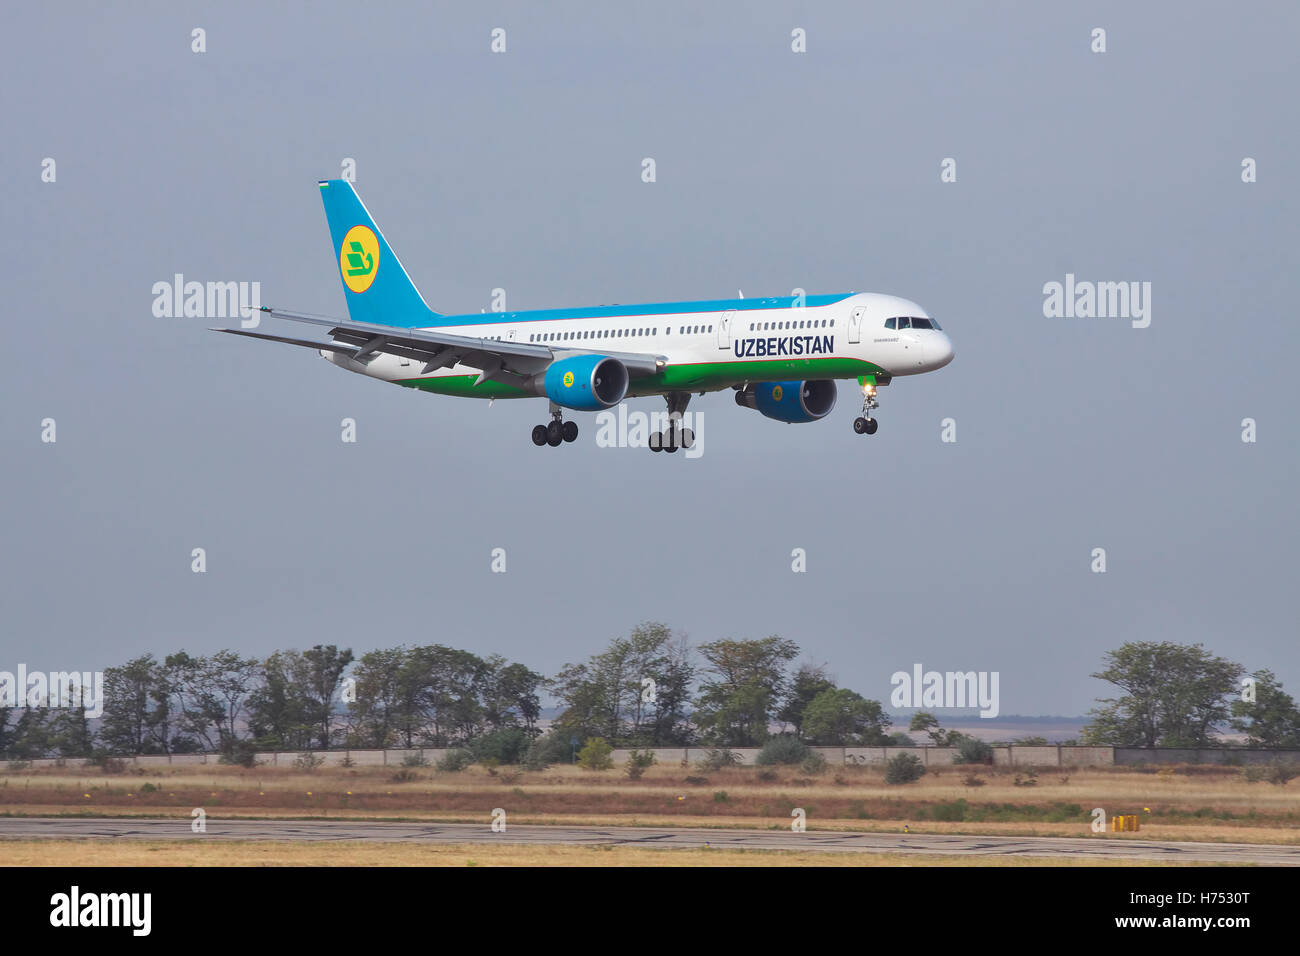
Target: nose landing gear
[(864, 424)]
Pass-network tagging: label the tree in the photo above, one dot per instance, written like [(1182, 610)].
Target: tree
[(138, 715), (1271, 719), (510, 695), (69, 733), (1175, 696), (747, 682), (634, 692), (926, 723), (839, 716), (32, 732), (673, 671), (279, 712), (809, 681), (209, 695), (384, 707)]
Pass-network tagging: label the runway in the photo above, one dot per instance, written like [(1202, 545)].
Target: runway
[(1098, 848)]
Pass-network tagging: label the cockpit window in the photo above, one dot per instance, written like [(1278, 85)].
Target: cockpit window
[(904, 323), (889, 323), (937, 326), (919, 323)]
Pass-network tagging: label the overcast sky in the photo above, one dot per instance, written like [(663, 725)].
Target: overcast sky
[(775, 170)]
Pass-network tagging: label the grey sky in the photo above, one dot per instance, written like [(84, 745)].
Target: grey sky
[(775, 171)]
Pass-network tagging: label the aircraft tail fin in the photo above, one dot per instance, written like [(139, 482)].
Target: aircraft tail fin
[(377, 288)]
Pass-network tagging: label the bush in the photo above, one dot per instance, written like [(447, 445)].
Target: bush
[(720, 796), (904, 768), (972, 780), (813, 763), (720, 759), (595, 754), (456, 760), (900, 739), (308, 761), (550, 748), (783, 750), (1028, 779), (638, 761), (697, 781), (404, 776), (501, 746), (768, 776), (20, 765), (970, 750), (1281, 772), (241, 753), (415, 758), (149, 788)]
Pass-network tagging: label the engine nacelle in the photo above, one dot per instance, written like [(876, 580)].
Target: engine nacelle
[(791, 402), (586, 383)]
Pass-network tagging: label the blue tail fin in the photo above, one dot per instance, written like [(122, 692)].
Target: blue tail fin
[(377, 288)]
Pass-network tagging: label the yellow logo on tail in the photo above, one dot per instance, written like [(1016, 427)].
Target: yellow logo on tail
[(359, 258)]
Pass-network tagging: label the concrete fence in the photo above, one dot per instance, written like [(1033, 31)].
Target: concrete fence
[(1052, 755)]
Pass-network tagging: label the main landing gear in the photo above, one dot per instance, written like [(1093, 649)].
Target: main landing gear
[(864, 424), (676, 436), (557, 432)]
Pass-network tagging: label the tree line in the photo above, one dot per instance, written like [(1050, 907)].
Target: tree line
[(650, 688)]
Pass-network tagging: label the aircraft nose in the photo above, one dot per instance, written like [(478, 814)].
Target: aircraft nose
[(939, 350)]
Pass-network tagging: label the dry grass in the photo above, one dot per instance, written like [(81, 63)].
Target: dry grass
[(841, 798), (258, 853)]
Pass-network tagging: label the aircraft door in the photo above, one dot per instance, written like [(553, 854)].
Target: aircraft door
[(724, 328), (855, 325)]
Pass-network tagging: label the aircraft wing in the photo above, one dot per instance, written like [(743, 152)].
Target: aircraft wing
[(512, 363)]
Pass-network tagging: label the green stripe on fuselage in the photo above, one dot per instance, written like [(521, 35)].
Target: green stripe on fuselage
[(698, 377)]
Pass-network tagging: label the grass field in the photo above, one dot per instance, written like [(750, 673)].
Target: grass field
[(267, 853), (1186, 803)]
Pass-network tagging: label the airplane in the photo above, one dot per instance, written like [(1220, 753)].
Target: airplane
[(781, 355)]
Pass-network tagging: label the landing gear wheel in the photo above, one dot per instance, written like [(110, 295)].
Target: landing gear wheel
[(860, 425), (656, 441), (670, 446), (554, 434), (570, 431), (688, 438), (871, 426), (539, 435)]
